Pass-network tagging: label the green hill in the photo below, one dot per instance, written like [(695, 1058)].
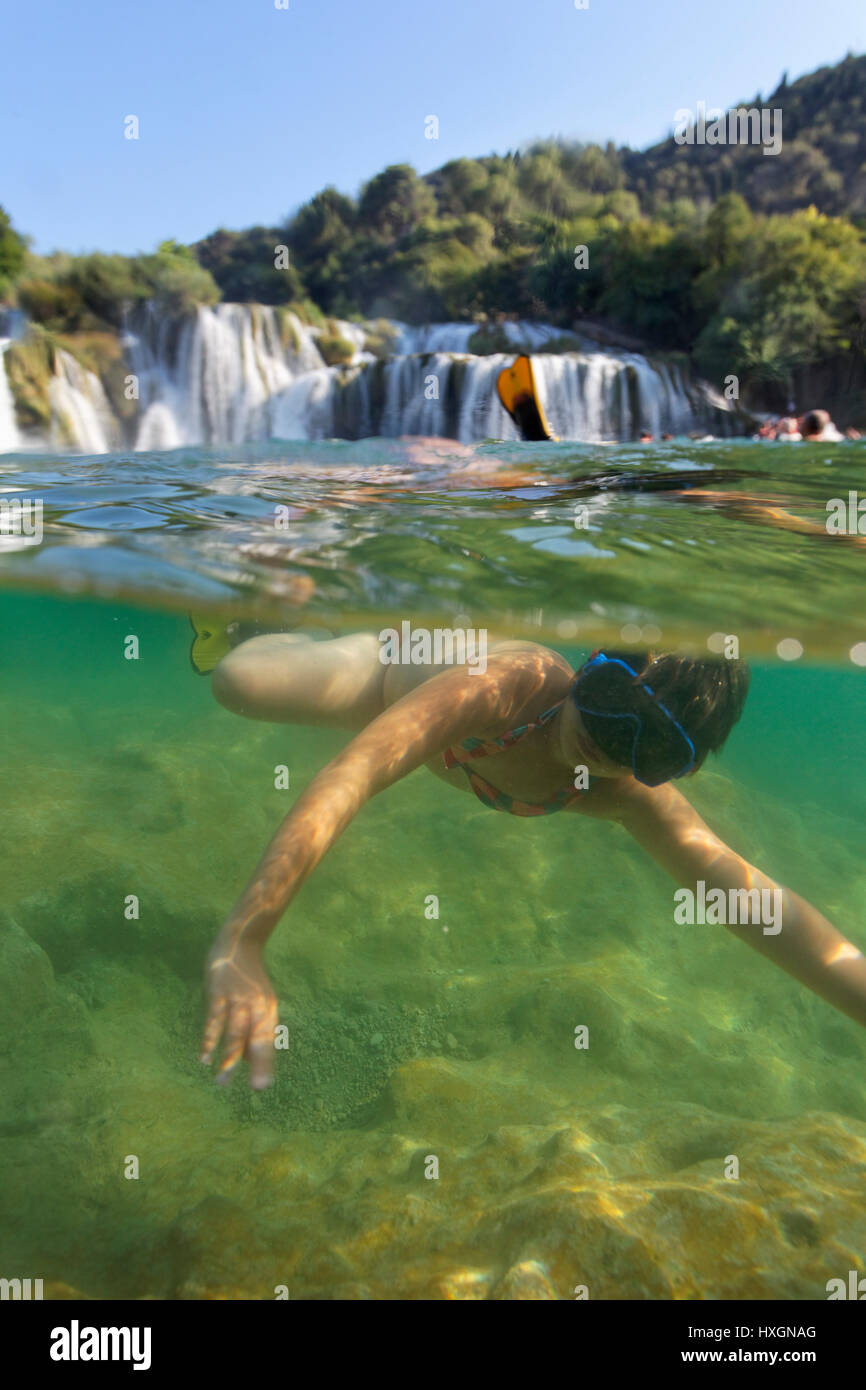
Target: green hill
[(823, 158)]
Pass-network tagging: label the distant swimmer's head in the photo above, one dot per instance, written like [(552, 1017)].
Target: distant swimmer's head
[(814, 423), (655, 716)]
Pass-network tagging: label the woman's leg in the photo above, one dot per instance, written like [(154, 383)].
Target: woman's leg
[(287, 678)]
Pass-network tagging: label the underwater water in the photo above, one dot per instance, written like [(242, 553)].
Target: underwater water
[(411, 1035)]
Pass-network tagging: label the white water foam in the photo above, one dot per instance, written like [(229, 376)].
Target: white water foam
[(10, 437), (80, 410)]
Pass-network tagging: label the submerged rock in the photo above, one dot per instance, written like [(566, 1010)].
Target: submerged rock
[(526, 1280), (620, 1204)]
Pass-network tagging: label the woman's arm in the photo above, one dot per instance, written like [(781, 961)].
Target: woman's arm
[(807, 946), (428, 720)]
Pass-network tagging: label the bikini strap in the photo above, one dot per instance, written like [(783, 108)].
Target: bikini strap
[(479, 748)]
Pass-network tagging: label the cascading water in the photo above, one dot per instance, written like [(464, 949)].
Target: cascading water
[(9, 434), (212, 377), (586, 396), (236, 372), (80, 412), (525, 335), (432, 337)]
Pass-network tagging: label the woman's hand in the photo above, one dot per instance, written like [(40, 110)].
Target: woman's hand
[(243, 1011)]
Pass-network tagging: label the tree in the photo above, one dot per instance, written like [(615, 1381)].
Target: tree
[(13, 249), (175, 279), (323, 241), (108, 286), (395, 202), (248, 266), (461, 186), (728, 228), (796, 294)]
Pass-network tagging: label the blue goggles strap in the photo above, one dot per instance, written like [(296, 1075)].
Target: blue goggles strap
[(598, 660)]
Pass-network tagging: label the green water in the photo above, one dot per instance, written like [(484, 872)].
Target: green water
[(412, 1037)]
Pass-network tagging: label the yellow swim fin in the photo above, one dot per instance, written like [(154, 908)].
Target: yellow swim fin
[(516, 388), (209, 645)]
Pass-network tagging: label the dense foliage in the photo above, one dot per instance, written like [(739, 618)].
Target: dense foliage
[(84, 293), (823, 160), (12, 254)]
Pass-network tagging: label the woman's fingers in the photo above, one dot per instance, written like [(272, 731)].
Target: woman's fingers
[(260, 1051), (213, 1028), (236, 1035)]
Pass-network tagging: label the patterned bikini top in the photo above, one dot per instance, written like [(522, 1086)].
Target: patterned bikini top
[(471, 748)]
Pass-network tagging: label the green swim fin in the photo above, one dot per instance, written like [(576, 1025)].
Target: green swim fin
[(515, 386), (209, 645)]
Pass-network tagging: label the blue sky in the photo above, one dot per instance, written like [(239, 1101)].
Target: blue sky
[(245, 111)]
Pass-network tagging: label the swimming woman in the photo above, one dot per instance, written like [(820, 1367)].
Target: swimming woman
[(528, 736)]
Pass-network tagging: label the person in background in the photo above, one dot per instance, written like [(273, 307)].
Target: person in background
[(816, 425), (787, 429), (767, 430)]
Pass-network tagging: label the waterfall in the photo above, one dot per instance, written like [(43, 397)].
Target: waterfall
[(525, 335), (80, 412), (9, 435), (233, 373), (586, 396), (433, 337), (212, 376)]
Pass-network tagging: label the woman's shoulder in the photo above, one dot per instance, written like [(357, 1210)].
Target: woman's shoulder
[(546, 655)]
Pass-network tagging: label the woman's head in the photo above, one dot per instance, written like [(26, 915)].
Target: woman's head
[(657, 716)]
